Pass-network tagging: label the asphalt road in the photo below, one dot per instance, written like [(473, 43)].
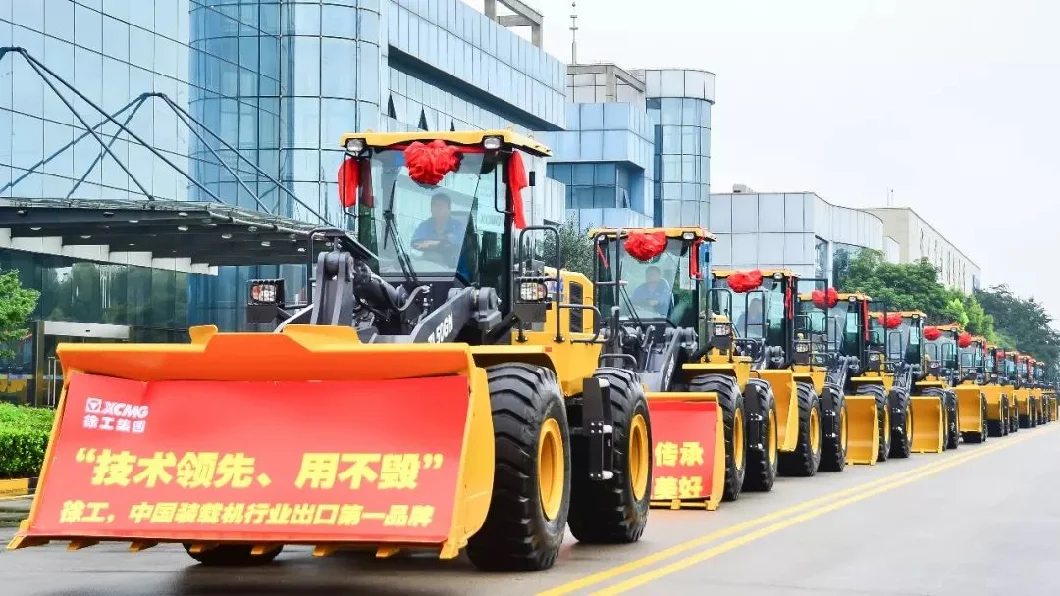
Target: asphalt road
[(973, 521)]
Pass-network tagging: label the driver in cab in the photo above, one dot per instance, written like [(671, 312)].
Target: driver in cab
[(654, 293), (441, 234)]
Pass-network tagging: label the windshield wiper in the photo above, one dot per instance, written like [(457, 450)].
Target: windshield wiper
[(391, 229)]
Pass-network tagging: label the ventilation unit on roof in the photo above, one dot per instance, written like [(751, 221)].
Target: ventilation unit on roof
[(741, 188)]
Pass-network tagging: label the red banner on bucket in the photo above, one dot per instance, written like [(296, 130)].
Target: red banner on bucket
[(285, 461), (685, 436)]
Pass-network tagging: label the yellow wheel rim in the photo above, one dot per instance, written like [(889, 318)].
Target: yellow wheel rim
[(737, 439), (815, 430), (771, 438), (638, 456), (843, 428), (886, 426), (550, 468)]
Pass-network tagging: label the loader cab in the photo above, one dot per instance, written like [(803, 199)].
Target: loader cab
[(972, 361), (905, 342), (839, 320), (425, 215), (760, 305), (650, 279), (940, 345)]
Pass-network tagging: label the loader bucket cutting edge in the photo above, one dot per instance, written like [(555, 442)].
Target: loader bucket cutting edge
[(307, 438), (688, 447), (929, 430), (863, 430), (969, 408)]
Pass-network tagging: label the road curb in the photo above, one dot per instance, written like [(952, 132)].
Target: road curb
[(17, 487)]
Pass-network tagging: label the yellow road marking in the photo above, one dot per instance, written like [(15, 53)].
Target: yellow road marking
[(689, 561), (602, 576)]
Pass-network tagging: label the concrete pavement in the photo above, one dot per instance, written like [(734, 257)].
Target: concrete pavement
[(972, 521)]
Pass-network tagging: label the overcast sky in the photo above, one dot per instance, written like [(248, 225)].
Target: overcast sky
[(952, 103)]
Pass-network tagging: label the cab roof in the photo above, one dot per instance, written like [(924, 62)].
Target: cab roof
[(675, 232), (910, 313), (765, 272), (841, 295), (950, 327), (460, 137)]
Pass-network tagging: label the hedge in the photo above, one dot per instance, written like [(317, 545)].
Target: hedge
[(23, 439)]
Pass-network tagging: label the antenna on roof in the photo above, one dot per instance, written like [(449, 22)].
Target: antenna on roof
[(574, 33)]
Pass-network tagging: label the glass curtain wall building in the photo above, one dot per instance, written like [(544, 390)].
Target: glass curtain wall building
[(274, 83)]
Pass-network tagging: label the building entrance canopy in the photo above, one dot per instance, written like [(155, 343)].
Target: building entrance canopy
[(184, 236)]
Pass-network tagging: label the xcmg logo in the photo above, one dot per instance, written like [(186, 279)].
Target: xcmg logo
[(101, 407)]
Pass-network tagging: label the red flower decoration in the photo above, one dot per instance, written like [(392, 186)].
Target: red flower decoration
[(429, 163), (645, 246), (931, 333), (741, 282), (964, 339), (825, 298), (893, 320)]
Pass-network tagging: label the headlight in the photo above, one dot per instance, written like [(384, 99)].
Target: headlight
[(492, 143), (802, 347), (722, 329), (532, 291), (263, 292), (874, 357), (355, 145)]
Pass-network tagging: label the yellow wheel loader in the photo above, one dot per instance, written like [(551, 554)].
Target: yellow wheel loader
[(999, 392), (761, 304), (925, 426), (941, 345), (1027, 395), (833, 336), (970, 387), (415, 401), (714, 424)]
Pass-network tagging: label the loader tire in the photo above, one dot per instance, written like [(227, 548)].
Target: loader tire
[(883, 418), (806, 459), (951, 438), (1014, 416), (835, 438), (615, 511), (233, 555), (527, 517), (730, 401), (762, 458), (901, 426), (984, 428)]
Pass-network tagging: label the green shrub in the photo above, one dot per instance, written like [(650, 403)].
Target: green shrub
[(23, 439)]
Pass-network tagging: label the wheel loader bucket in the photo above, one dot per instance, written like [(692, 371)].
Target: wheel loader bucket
[(863, 430), (928, 426), (301, 437), (786, 397), (969, 408), (688, 444)]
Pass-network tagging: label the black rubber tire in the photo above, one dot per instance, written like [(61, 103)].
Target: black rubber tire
[(761, 465), (806, 459), (984, 429), (232, 555), (1007, 417), (1033, 409), (901, 423), (882, 418), (608, 511), (730, 400), (1014, 416), (517, 536), (951, 424), (836, 440)]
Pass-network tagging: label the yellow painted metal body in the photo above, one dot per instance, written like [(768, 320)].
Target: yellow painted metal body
[(1023, 401), (863, 447), (993, 394), (717, 487), (320, 352), (929, 417), (969, 406), (928, 424), (669, 232), (811, 374), (462, 137), (786, 396)]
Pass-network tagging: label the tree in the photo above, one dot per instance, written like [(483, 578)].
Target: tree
[(1022, 324), (915, 286), (16, 304), (575, 248)]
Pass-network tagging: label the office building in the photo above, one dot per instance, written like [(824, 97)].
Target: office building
[(917, 239)]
